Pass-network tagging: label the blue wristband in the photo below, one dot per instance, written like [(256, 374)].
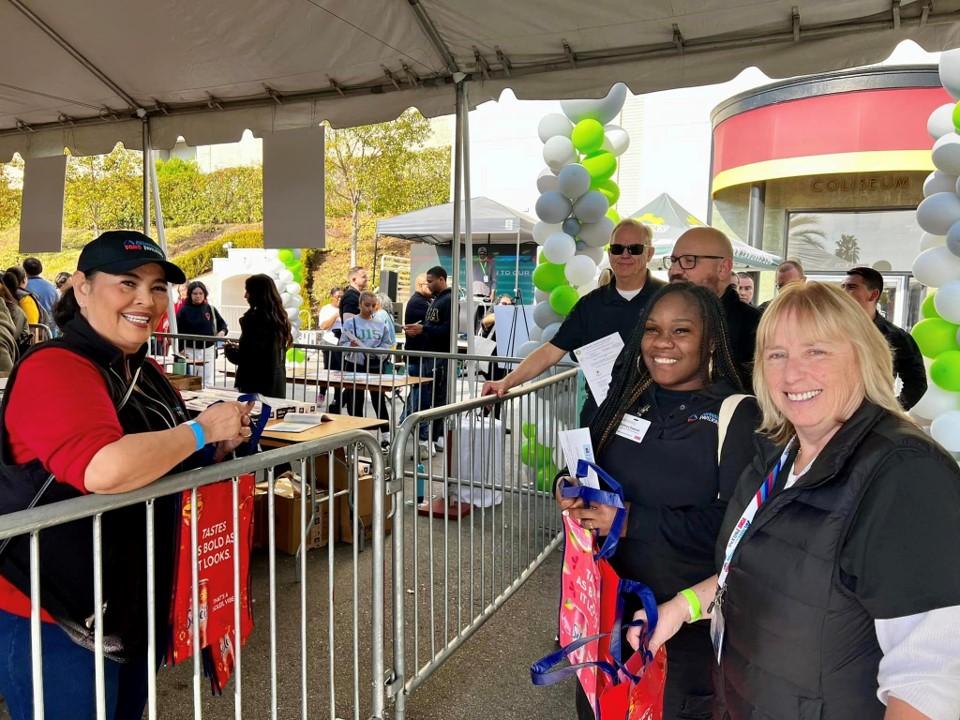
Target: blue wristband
[(198, 436)]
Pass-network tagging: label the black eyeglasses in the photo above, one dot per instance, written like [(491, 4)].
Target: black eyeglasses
[(687, 262), (637, 249)]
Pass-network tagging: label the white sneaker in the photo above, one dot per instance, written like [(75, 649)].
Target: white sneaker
[(421, 450), (439, 444)]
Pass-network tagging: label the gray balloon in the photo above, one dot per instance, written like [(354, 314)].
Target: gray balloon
[(594, 253), (544, 315), (571, 226), (547, 182), (553, 207), (591, 207), (573, 181), (597, 234), (603, 110)]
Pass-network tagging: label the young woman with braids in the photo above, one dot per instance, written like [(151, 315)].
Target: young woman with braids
[(265, 335), (678, 370)]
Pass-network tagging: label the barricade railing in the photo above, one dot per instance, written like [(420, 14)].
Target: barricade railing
[(339, 640), (470, 526), (376, 383)]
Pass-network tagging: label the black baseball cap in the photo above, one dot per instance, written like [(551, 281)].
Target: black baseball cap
[(118, 251)]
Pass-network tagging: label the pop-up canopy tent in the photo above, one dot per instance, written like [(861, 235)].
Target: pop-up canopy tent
[(668, 220), (501, 225), (87, 75)]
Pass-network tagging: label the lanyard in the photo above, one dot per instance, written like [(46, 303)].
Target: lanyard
[(762, 494)]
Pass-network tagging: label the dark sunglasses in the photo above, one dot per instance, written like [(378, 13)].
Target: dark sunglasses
[(618, 249)]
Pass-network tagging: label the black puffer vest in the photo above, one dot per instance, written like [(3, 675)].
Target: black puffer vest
[(798, 644), (66, 551)]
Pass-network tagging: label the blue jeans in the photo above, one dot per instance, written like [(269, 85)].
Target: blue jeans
[(424, 397), (68, 676)]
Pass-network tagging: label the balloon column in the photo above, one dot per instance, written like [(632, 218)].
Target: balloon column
[(575, 206), (287, 272), (938, 266), (538, 457)]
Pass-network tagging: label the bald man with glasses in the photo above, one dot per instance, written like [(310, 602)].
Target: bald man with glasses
[(704, 256), (611, 308)]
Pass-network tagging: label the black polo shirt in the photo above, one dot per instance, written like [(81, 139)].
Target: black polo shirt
[(907, 361), (597, 314), (350, 302)]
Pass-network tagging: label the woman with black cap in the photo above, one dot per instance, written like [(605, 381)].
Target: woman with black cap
[(119, 426)]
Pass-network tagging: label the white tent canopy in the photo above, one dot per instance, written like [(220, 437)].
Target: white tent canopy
[(83, 75), (434, 225)]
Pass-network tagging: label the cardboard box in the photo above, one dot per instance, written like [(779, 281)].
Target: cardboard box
[(363, 507), (287, 523)]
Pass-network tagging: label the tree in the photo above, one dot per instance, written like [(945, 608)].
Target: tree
[(104, 192), (377, 169), (848, 248), (9, 201), (805, 229)]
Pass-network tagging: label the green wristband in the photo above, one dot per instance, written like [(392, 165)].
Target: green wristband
[(696, 612)]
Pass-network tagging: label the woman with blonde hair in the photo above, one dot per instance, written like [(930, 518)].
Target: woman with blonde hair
[(838, 588)]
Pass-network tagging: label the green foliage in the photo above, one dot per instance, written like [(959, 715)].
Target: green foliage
[(104, 192), (200, 260), (9, 202), (231, 195)]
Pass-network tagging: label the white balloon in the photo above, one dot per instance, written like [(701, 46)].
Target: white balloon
[(293, 288), (938, 212), (594, 253), (946, 154), (945, 429), (935, 402), (292, 312), (616, 140), (928, 240), (544, 315), (285, 298), (559, 248), (580, 270), (550, 330), (553, 207), (527, 348), (540, 296), (597, 234), (603, 110), (950, 72), (952, 241), (947, 301), (547, 181), (536, 333), (940, 121), (285, 277), (559, 151), (553, 125), (936, 267), (938, 181), (542, 230), (591, 207), (573, 180), (295, 301)]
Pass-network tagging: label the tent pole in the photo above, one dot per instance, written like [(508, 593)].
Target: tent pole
[(145, 128), (468, 251), (516, 273), (150, 182), (455, 244)]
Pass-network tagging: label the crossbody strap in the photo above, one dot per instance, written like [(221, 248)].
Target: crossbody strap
[(727, 408)]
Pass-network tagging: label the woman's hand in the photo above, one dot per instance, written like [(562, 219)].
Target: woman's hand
[(226, 421), (565, 503), (596, 517), (672, 615)]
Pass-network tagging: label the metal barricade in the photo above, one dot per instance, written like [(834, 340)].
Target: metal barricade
[(455, 563), (324, 658)]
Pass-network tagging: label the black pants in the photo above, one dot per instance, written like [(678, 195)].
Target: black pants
[(691, 670), (353, 397)]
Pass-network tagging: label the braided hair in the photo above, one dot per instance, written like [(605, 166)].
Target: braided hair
[(633, 378)]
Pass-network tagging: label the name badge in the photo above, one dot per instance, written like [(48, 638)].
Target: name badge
[(716, 631), (633, 427)]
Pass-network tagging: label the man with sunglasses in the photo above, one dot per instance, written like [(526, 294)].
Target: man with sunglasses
[(704, 256), (611, 308)]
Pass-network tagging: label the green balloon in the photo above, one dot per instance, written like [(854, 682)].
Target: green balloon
[(587, 136), (548, 276), (545, 476), (613, 215), (609, 189), (286, 257), (297, 275), (563, 298), (601, 165), (928, 309), (542, 259), (296, 355), (530, 452), (945, 370), (529, 430), (935, 336), (956, 117)]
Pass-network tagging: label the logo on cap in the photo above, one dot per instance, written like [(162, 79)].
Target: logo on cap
[(137, 246)]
